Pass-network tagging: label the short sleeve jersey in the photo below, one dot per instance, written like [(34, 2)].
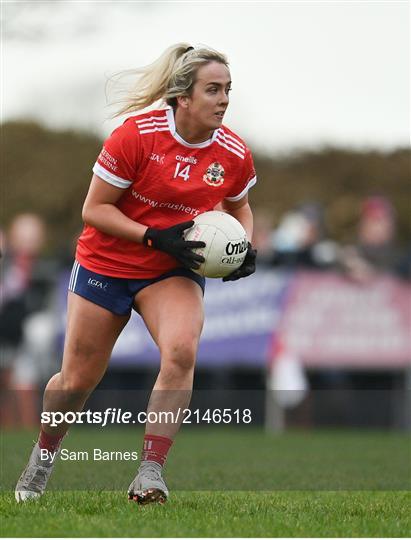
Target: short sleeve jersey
[(165, 181)]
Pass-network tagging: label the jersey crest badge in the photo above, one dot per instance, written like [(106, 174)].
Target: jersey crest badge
[(214, 175)]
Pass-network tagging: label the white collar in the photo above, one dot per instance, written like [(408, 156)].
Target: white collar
[(173, 131)]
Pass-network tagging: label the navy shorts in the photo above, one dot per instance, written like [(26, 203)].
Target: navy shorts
[(117, 294)]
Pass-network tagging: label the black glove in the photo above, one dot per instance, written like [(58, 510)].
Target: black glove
[(247, 268), (171, 241)]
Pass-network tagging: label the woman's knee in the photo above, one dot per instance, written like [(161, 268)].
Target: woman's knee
[(73, 383), (180, 355), (84, 364)]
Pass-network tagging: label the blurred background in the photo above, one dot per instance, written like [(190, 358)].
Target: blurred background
[(320, 336)]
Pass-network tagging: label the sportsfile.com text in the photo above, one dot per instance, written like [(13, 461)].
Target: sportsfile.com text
[(112, 416)]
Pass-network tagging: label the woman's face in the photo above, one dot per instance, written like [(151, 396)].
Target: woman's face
[(209, 99)]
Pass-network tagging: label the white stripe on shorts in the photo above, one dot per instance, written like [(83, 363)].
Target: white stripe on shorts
[(73, 277)]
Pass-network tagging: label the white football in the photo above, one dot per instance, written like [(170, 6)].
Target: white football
[(226, 243)]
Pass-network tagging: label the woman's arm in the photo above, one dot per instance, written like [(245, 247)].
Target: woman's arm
[(99, 211), (242, 212)]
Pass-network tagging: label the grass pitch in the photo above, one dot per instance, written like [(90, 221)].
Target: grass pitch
[(210, 514), (224, 482)]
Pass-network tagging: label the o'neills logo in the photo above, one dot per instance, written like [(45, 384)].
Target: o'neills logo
[(185, 159), (214, 175), (234, 248)]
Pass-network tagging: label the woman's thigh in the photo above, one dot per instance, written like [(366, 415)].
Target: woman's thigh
[(172, 310), (90, 337)]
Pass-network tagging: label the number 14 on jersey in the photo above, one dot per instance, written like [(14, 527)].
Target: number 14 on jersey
[(184, 173)]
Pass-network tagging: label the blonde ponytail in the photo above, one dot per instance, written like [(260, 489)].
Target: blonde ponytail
[(171, 75)]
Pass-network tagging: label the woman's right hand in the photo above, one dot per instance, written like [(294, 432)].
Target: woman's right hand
[(172, 242)]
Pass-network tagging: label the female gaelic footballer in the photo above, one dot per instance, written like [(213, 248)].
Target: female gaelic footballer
[(150, 180)]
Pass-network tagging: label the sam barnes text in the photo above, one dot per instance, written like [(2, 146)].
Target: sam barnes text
[(97, 454)]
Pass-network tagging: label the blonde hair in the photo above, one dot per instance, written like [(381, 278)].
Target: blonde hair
[(172, 74)]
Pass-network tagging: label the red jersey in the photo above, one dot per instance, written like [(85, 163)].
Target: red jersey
[(165, 181)]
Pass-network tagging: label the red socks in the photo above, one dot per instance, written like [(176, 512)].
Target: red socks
[(49, 442), (155, 448)]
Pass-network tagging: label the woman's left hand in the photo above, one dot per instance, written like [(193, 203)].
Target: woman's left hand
[(247, 268)]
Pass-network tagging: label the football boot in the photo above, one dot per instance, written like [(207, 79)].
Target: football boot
[(148, 486)]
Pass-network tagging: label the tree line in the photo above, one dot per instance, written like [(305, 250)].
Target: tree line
[(48, 172)]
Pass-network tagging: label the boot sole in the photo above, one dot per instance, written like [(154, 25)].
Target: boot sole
[(148, 496)]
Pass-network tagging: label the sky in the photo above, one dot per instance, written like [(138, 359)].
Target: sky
[(305, 73)]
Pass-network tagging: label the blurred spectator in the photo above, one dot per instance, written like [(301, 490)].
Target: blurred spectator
[(300, 240), (26, 283), (262, 236), (376, 250), (24, 241), (404, 264)]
